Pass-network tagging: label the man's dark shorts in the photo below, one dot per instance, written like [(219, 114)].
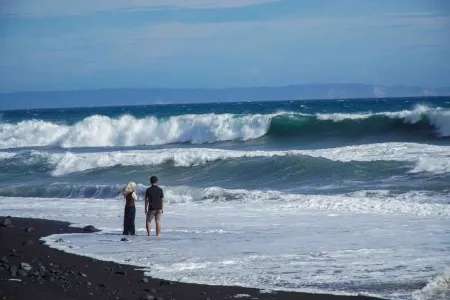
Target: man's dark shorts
[(154, 214)]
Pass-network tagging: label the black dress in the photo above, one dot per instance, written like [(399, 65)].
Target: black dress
[(129, 215)]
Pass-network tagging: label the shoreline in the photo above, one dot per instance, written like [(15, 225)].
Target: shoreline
[(59, 275)]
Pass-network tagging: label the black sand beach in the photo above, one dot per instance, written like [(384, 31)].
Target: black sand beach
[(59, 275)]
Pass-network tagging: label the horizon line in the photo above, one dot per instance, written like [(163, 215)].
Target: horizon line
[(224, 102), (218, 88)]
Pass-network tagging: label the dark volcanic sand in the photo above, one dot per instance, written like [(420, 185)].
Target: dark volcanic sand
[(59, 275)]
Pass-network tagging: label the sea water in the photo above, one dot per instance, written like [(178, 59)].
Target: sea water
[(344, 197)]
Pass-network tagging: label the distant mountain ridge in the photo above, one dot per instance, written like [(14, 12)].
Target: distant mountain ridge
[(112, 97)]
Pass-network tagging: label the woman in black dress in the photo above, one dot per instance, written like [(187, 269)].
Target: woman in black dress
[(129, 192)]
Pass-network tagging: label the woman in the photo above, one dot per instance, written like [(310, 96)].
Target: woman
[(129, 192)]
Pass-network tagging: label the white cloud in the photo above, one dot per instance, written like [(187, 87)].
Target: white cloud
[(254, 46), (139, 46), (301, 27), (41, 8), (411, 14), (253, 71)]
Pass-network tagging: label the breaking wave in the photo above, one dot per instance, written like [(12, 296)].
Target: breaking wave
[(378, 202), (426, 158), (437, 288), (103, 131)]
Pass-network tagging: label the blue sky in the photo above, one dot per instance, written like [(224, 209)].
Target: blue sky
[(89, 44)]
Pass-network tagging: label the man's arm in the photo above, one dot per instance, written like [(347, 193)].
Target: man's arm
[(162, 201), (146, 203)]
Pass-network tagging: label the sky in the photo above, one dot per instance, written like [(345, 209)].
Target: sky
[(92, 44)]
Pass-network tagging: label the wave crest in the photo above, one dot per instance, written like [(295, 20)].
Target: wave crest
[(427, 158), (103, 131), (437, 288), (378, 202), (422, 122)]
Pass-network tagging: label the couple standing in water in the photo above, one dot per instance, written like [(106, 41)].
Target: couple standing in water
[(154, 206)]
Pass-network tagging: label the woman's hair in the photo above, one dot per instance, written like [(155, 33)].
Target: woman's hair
[(129, 188)]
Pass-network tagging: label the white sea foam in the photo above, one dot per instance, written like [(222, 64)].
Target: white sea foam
[(416, 203), (6, 155), (411, 203), (259, 244), (435, 164), (428, 158), (103, 131), (419, 203), (437, 288)]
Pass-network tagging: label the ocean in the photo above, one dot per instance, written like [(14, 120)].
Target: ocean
[(343, 196)]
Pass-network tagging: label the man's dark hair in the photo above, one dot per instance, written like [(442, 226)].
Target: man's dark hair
[(153, 179)]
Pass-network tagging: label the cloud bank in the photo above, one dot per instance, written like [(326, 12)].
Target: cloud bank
[(49, 8)]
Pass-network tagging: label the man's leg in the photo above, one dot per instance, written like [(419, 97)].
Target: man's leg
[(148, 223), (158, 222), (158, 227), (148, 227)]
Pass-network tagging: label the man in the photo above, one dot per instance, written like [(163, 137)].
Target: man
[(154, 205)]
